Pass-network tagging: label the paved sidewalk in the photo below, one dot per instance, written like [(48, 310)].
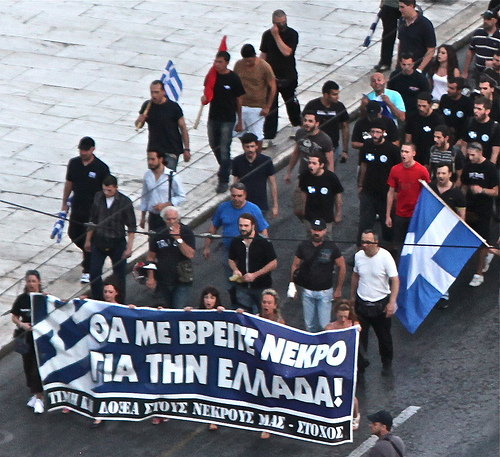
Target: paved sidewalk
[(76, 68)]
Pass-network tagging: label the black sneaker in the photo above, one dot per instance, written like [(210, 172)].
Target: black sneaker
[(222, 187)]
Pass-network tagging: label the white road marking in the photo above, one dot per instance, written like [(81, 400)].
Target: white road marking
[(370, 442)]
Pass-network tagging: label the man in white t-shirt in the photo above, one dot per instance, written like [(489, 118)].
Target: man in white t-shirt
[(374, 289)]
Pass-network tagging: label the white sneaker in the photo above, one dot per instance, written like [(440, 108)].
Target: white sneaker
[(85, 278), (487, 262), (266, 143), (477, 280), (31, 402), (38, 408)]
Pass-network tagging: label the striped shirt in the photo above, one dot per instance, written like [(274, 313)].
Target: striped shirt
[(484, 46)]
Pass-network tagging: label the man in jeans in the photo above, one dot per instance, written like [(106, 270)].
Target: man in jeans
[(317, 259), (111, 212), (374, 290), (224, 106)]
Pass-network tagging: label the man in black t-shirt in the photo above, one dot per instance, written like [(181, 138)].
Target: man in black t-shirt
[(226, 103), (482, 129), (277, 48), (419, 128), (317, 259), (377, 157), (322, 192), (84, 177), (480, 184), (167, 129), (333, 117), (456, 108)]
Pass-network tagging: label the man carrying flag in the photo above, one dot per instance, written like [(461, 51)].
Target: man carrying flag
[(168, 134), (224, 105)]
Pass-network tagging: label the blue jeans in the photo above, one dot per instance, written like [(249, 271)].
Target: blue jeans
[(249, 299), (220, 135), (317, 306), (177, 296), (97, 258)]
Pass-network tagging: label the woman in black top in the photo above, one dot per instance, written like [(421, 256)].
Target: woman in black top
[(21, 316)]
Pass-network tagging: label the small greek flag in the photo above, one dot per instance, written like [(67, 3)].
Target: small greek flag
[(172, 82)]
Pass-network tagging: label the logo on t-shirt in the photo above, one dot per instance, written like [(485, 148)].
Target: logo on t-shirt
[(460, 114), (324, 190), (311, 189), (383, 158), (370, 157), (485, 137), (92, 174), (472, 134), (447, 112), (427, 128), (227, 87), (476, 175)]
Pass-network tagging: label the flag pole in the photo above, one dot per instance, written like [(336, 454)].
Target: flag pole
[(197, 121)]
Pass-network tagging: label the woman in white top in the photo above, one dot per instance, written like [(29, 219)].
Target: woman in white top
[(444, 65)]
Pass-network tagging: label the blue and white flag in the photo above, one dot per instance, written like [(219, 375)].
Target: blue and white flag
[(172, 82), (111, 362), (437, 246)]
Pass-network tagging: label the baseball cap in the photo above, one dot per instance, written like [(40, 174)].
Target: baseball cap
[(86, 143), (488, 14), (382, 416), (318, 224), (373, 108)]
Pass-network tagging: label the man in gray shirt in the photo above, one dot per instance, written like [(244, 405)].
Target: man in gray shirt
[(388, 445)]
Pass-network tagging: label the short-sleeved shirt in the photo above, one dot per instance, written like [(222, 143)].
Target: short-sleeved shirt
[(283, 66), (309, 144), (320, 194), (484, 46), (260, 253), (330, 117), (163, 127), (319, 262), (256, 82), (406, 183), (87, 181), (227, 216), (362, 127), (22, 309), (227, 89), (453, 156), (379, 160), (168, 254), (483, 174), (486, 133), (254, 175), (456, 112), (453, 197), (409, 86), (421, 128), (417, 37), (394, 97), (374, 273)]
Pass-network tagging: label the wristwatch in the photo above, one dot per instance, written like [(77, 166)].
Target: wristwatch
[(179, 241)]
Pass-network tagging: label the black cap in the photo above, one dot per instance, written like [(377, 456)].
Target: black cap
[(381, 416), (373, 108), (86, 143), (488, 14), (318, 224)]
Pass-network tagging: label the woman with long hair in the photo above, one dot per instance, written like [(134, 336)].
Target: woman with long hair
[(21, 316), (442, 67)]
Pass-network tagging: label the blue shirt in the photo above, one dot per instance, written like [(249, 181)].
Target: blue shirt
[(227, 216)]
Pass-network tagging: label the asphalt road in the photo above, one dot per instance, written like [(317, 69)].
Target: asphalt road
[(449, 369)]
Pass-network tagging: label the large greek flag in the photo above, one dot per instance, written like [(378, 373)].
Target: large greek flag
[(437, 246), (172, 82)]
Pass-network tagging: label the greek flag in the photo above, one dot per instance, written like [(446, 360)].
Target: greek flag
[(437, 246), (172, 82)]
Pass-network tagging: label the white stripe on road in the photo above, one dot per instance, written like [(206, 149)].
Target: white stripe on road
[(370, 442)]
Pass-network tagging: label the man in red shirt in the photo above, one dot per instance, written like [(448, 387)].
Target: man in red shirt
[(404, 184)]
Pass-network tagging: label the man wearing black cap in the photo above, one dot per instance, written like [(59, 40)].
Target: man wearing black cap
[(259, 83), (388, 445), (362, 127), (484, 42), (316, 258), (377, 157), (420, 126), (84, 177)]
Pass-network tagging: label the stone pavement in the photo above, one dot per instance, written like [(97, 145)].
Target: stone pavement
[(75, 68)]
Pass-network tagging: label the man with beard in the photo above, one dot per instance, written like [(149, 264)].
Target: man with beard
[(493, 72), (377, 157), (161, 187), (420, 126), (167, 129), (456, 108), (482, 129), (251, 259), (487, 90), (277, 48), (317, 259), (443, 152)]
